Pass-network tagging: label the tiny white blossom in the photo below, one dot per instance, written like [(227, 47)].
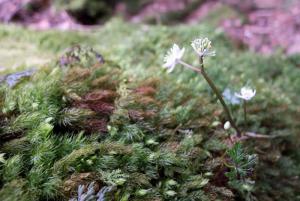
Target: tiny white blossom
[(172, 58), (246, 93), (227, 125), (202, 47)]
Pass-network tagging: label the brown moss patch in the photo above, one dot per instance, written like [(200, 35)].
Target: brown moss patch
[(145, 91), (139, 115), (77, 74), (96, 125), (71, 184), (107, 96)]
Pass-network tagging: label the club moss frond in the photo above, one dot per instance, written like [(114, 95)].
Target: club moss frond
[(66, 163), (12, 168), (15, 190), (16, 146), (71, 116)]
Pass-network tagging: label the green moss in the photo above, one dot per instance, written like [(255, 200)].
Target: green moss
[(128, 117)]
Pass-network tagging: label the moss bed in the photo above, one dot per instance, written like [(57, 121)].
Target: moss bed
[(104, 111)]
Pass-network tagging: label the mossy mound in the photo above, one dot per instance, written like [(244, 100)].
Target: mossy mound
[(111, 115)]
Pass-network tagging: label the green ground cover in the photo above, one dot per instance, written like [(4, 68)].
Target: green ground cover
[(133, 129)]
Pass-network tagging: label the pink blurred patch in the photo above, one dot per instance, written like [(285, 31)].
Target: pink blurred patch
[(158, 7), (268, 29), (47, 16)]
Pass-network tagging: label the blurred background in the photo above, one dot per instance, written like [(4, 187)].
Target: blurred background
[(263, 26)]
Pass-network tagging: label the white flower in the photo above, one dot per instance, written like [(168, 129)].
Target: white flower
[(227, 125), (172, 58), (202, 47), (246, 93)]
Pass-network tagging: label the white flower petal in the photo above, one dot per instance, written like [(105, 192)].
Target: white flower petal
[(168, 64), (246, 93), (238, 95), (172, 57), (180, 55), (171, 68)]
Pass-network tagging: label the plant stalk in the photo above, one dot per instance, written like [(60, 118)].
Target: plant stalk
[(216, 91), (219, 96), (189, 66), (245, 111)]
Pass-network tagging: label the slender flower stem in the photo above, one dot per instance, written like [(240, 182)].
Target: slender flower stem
[(189, 66), (215, 89), (245, 111), (219, 96)]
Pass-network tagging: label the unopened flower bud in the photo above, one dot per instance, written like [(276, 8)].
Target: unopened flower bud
[(227, 125)]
